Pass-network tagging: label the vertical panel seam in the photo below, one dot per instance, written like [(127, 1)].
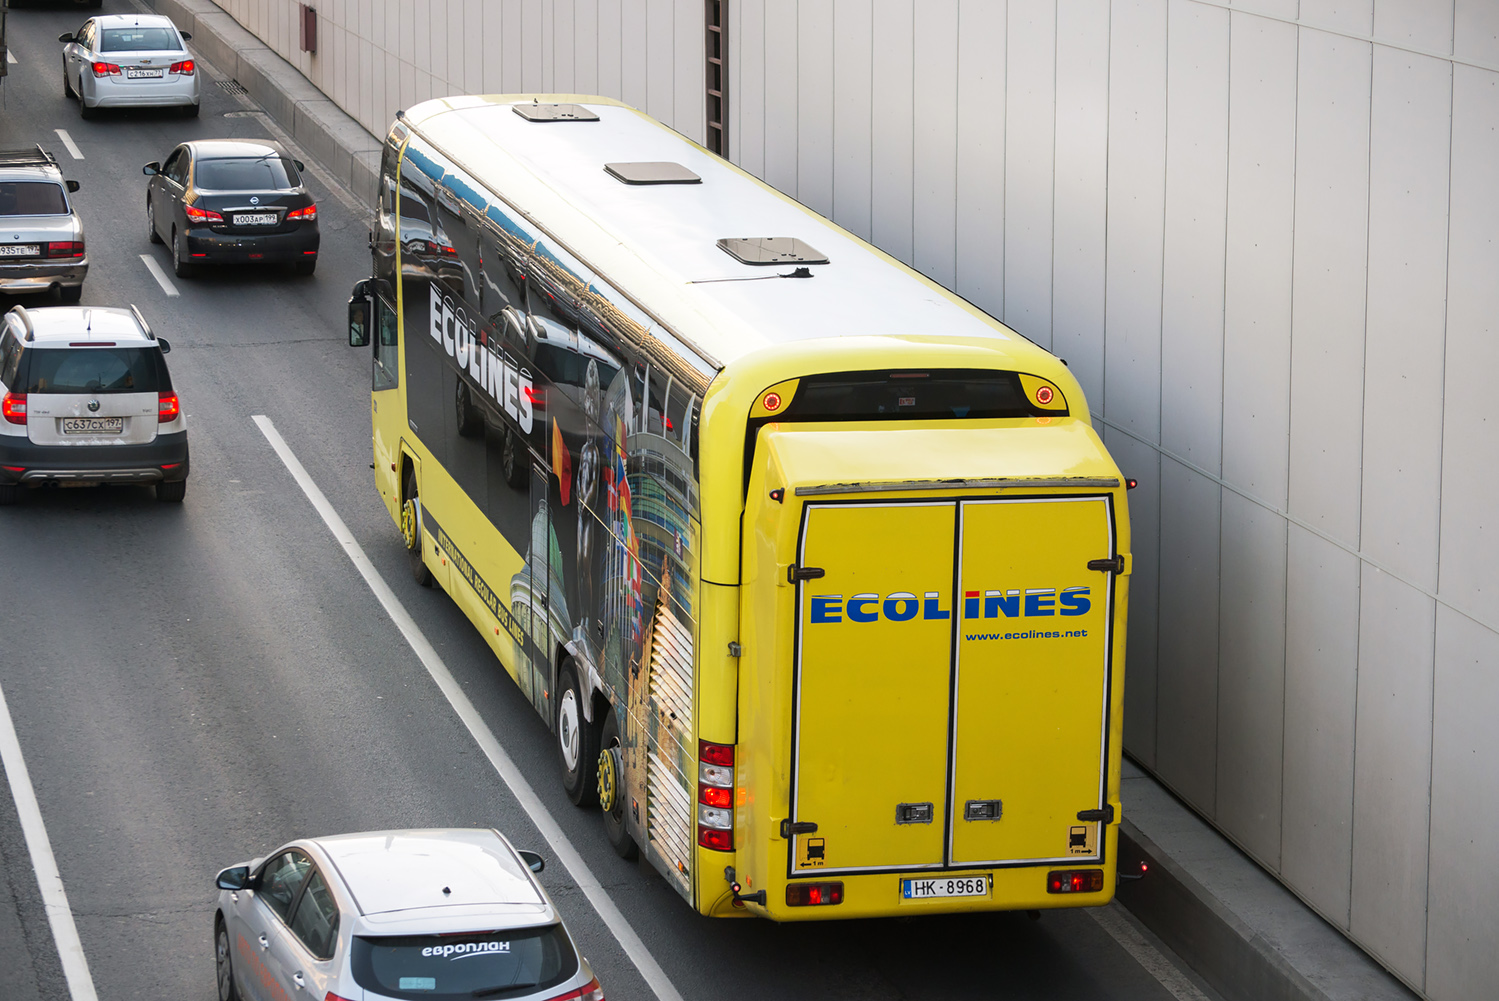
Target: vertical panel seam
[(1223, 377)]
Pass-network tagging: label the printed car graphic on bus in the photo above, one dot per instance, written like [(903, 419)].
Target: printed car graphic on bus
[(902, 606)]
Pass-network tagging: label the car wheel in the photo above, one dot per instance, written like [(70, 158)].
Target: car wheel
[(305, 268), (577, 740), (180, 263), (69, 293), (411, 531), (612, 789), (223, 963), (67, 85), (9, 493), (470, 418), (84, 111), (515, 471), (173, 492), (151, 232), (190, 111)]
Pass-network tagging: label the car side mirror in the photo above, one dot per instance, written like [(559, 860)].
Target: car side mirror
[(66, 37), (300, 164), (154, 167), (187, 36), (234, 878), (533, 861), (165, 345), (72, 185), (359, 322)]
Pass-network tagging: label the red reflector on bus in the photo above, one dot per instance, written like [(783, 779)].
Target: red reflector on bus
[(715, 796), (715, 838), (716, 754), (813, 894), (1075, 881)]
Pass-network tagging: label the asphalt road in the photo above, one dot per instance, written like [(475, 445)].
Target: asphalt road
[(194, 684)]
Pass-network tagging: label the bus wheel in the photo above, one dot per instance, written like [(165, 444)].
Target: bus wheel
[(612, 794), (411, 533), (577, 739), (470, 420)]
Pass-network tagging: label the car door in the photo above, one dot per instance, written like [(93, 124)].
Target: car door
[(257, 927), (77, 55), (162, 194), (307, 954), (173, 186)]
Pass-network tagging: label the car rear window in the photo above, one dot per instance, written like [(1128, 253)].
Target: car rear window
[(138, 40), (952, 394), (246, 173), (32, 198), (93, 370), (497, 964)]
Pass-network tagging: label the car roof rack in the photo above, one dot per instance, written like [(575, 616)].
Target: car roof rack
[(19, 312), (33, 157), (145, 327)]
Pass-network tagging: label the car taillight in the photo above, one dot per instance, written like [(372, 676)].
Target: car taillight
[(13, 407), (106, 69), (167, 408), (65, 248), (589, 992), (715, 796), (335, 997), (1075, 881), (185, 67), (309, 213), (195, 214), (814, 894)]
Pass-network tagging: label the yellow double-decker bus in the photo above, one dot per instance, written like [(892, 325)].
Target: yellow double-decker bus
[(817, 572)]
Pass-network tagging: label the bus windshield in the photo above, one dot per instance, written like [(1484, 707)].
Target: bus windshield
[(935, 394)]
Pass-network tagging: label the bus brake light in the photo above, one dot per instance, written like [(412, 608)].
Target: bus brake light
[(715, 796), (813, 894), (1075, 881)]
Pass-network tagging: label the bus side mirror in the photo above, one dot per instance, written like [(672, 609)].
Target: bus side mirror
[(359, 322)]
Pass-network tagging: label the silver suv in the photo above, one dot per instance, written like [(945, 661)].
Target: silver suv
[(41, 237), (86, 400)]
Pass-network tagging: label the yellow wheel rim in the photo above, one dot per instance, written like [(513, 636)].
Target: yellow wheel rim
[(608, 779), (408, 524)]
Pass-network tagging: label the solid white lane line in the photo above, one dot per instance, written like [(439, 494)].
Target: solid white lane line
[(160, 275), (634, 948), (1112, 920), (54, 897), (67, 141)]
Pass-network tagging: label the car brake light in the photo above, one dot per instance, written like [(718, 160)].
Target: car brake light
[(167, 408), (309, 213), (65, 248), (185, 67), (814, 894), (106, 69), (195, 214), (715, 796), (590, 991), (1075, 881), (13, 407), (335, 997)]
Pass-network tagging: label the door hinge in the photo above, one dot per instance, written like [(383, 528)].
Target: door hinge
[(795, 573), (1106, 815), (790, 827), (1114, 564)]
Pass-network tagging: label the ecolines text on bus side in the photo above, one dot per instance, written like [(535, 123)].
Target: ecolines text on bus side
[(902, 606)]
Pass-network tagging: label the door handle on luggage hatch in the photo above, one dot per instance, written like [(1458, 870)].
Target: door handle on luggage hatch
[(1114, 564), (790, 827), (1106, 815), (795, 573)]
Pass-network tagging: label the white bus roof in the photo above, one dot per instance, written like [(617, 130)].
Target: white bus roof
[(658, 243)]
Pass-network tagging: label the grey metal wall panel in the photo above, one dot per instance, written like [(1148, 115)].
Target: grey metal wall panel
[(1322, 591), (1464, 890), (1142, 462), (585, 46), (1082, 180), (1470, 444), (780, 95), (1195, 223), (1476, 31), (853, 113), (747, 120), (1137, 159), (611, 35), (532, 13), (1421, 24), (689, 106), (512, 47), (661, 95), (1330, 277), (1030, 124), (1251, 676), (1356, 17), (1392, 772), (982, 42), (934, 208), (1257, 292), (894, 94), (1187, 675), (814, 106), (1410, 136), (634, 89)]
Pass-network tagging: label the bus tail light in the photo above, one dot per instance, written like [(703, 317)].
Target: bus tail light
[(167, 408), (813, 894), (14, 408), (715, 796), (1074, 881)]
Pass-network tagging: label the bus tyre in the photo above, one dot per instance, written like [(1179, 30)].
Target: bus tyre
[(577, 740), (612, 794), (470, 419), (411, 532)]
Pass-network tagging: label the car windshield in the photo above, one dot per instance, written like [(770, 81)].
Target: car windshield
[(137, 39), (496, 964), (246, 173), (32, 198), (92, 370)]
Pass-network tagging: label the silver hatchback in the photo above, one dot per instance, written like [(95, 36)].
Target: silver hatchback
[(41, 236), (407, 915)]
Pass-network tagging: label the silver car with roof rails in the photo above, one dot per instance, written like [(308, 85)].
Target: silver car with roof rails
[(86, 399), (129, 61), (41, 236), (407, 915)]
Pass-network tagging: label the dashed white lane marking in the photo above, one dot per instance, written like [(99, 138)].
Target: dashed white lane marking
[(634, 948), (1157, 965), (10, 57), (67, 141), (160, 276), (54, 897)]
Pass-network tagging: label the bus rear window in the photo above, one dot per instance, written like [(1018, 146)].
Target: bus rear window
[(497, 964), (934, 394)]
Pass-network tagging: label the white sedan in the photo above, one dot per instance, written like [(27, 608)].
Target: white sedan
[(129, 61)]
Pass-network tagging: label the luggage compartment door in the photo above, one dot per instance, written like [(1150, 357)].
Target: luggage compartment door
[(1030, 713), (872, 686)]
